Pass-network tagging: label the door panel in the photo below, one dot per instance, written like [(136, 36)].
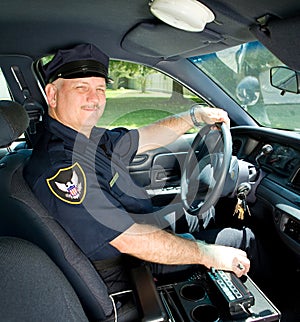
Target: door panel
[(159, 170)]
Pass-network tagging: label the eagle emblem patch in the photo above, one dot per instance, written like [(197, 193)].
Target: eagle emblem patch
[(69, 184)]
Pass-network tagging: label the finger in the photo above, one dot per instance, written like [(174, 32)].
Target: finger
[(223, 117), (239, 270), (219, 116), (241, 267)]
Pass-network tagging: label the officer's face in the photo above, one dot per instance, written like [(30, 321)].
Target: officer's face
[(77, 103)]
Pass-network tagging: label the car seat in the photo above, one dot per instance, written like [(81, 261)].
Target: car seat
[(23, 216), (32, 287)]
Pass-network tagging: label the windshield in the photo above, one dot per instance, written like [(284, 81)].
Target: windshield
[(244, 73)]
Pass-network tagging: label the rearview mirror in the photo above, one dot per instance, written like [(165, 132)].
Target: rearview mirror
[(285, 79)]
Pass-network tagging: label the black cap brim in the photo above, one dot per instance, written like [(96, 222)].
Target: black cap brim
[(81, 68)]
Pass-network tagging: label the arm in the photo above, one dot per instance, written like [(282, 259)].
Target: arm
[(170, 128), (153, 245)]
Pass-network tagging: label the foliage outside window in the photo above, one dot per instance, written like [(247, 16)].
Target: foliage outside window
[(140, 95)]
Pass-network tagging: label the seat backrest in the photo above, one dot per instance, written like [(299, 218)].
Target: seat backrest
[(13, 122), (32, 286), (23, 216)]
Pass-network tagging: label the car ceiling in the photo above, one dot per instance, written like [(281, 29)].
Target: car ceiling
[(127, 29)]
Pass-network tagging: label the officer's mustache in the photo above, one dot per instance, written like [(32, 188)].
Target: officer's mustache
[(92, 106)]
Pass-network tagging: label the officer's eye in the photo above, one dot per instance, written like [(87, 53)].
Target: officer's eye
[(101, 89), (82, 88)]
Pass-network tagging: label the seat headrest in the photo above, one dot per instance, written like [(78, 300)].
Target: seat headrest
[(13, 121)]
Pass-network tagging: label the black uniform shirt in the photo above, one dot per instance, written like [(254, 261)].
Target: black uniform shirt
[(85, 184)]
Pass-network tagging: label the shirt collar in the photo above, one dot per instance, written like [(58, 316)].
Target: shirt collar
[(69, 134)]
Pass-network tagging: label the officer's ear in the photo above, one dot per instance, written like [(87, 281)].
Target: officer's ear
[(51, 93)]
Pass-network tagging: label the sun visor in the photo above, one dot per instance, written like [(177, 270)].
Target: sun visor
[(282, 38), (161, 40)]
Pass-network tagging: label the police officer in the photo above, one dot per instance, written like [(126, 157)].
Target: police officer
[(79, 172)]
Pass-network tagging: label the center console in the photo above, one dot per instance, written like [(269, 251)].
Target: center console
[(208, 296)]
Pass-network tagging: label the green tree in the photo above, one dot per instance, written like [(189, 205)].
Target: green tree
[(120, 70), (141, 74)]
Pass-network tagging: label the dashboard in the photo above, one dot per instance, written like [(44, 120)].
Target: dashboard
[(283, 159), (279, 189)]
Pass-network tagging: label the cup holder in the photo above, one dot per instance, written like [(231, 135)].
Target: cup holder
[(192, 292), (205, 313)]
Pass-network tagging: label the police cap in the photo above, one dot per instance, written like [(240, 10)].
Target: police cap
[(84, 60)]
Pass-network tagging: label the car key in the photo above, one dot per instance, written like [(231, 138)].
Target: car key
[(242, 207), (239, 208)]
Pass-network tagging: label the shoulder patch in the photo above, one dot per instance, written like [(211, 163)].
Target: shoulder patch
[(69, 184)]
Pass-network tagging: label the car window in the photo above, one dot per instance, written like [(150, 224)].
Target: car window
[(141, 95)]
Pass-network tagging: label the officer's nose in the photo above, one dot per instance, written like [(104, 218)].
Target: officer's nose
[(95, 97)]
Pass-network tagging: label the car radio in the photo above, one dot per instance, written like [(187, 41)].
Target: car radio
[(236, 295)]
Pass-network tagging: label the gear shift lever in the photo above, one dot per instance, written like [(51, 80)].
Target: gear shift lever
[(266, 149)]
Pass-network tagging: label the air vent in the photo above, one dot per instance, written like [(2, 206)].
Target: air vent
[(236, 146)]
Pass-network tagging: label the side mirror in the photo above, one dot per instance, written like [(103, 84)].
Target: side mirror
[(285, 78)]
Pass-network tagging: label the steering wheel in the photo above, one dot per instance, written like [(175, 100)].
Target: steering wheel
[(205, 169)]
